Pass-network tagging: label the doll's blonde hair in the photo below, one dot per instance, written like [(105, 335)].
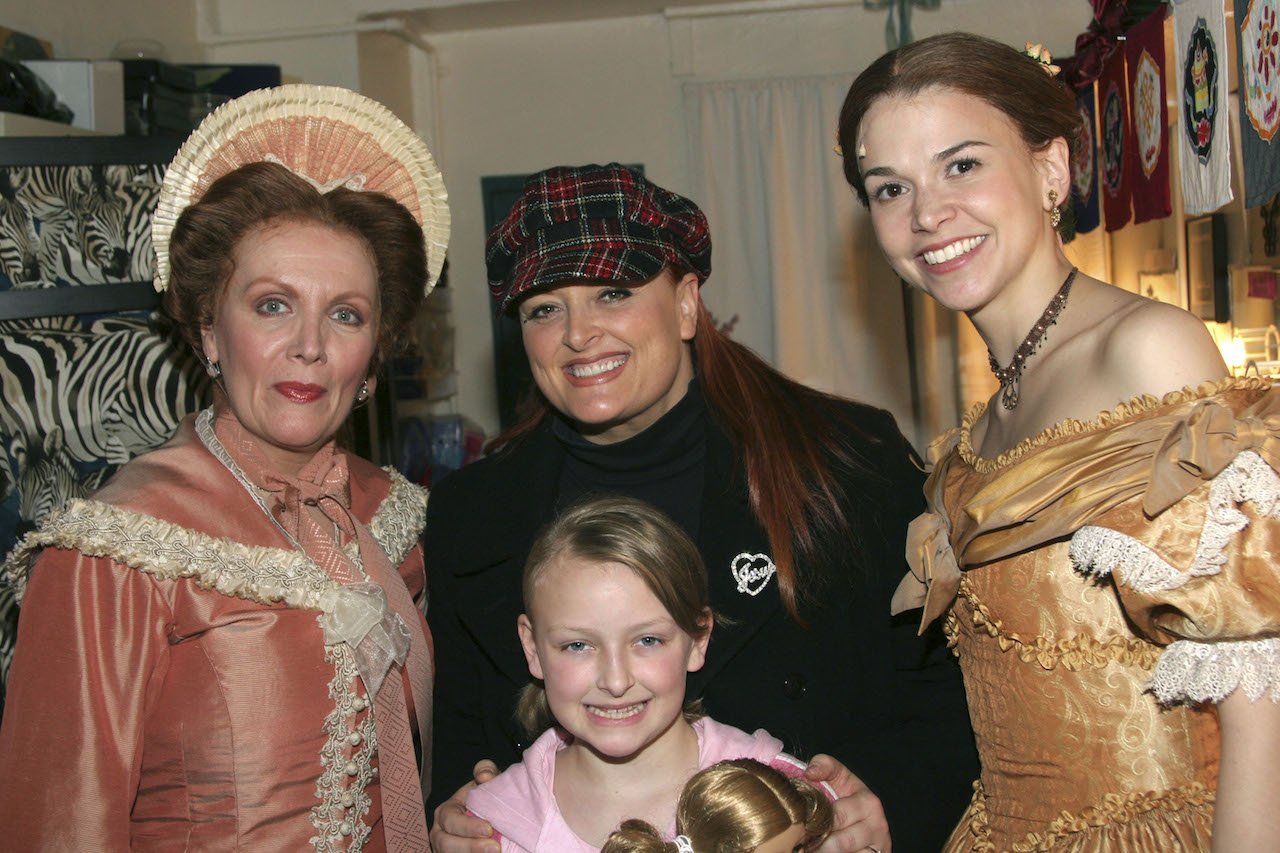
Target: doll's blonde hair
[(733, 807)]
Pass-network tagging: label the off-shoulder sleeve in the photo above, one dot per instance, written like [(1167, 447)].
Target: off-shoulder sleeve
[(91, 656), (1201, 577)]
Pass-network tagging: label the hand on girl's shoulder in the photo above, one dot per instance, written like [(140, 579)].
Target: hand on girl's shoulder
[(1155, 348)]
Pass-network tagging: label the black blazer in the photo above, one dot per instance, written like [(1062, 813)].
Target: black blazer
[(854, 683)]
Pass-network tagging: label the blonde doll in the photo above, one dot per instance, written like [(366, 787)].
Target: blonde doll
[(739, 806), (616, 615)]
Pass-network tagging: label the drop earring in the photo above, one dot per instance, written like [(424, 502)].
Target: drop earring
[(1055, 213), (363, 393), (214, 369)]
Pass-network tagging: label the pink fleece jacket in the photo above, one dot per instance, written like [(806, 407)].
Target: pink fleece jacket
[(521, 805)]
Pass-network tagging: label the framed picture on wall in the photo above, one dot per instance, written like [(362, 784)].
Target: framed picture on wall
[(1208, 279)]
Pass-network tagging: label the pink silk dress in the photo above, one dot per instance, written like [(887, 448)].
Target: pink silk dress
[(174, 686)]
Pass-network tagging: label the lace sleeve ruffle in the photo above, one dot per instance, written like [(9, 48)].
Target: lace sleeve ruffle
[(1209, 672), (1201, 578)]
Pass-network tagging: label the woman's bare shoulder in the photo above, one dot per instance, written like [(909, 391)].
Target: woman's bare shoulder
[(1153, 348)]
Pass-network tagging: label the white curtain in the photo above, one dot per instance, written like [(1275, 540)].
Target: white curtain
[(794, 259)]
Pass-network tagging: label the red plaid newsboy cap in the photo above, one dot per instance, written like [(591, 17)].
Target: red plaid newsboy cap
[(593, 223)]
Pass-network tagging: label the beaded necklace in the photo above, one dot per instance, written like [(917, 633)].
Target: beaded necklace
[(1009, 376)]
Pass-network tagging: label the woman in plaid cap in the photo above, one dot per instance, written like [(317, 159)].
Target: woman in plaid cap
[(798, 502)]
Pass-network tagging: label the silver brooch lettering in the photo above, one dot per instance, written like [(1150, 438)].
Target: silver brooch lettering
[(752, 572)]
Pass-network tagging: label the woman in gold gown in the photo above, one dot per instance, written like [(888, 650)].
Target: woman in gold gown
[(225, 648), (1102, 535)]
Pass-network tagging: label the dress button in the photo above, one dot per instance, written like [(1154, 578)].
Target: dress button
[(344, 828), (354, 738), (793, 686), (348, 801), (351, 768), (360, 703)]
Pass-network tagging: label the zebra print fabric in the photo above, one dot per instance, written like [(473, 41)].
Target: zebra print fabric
[(79, 400), (81, 395), (66, 225)]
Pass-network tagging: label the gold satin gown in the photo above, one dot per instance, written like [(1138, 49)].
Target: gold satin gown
[(1104, 584)]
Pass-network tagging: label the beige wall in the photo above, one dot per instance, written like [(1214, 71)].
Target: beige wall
[(89, 29), (509, 100), (514, 100)]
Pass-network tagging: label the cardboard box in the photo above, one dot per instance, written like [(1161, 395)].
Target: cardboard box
[(92, 88)]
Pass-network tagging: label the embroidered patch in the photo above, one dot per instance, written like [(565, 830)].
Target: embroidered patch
[(1200, 90), (1148, 98), (1260, 82), (752, 572), (1113, 132), (1082, 164)]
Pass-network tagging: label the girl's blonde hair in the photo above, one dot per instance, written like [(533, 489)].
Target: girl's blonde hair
[(733, 807), (632, 533)]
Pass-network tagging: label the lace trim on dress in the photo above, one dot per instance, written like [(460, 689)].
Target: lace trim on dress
[(344, 779), (396, 524), (1072, 653), (1114, 809), (1132, 408), (1101, 551), (1193, 672), (169, 551), (400, 518)]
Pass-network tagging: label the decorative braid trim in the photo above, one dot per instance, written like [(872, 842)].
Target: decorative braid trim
[(1209, 672), (398, 523), (951, 630), (344, 800), (1101, 551), (1072, 653), (1115, 809), (167, 551), (1133, 408)]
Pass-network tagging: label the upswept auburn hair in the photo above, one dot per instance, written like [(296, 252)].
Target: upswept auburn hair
[(263, 195)]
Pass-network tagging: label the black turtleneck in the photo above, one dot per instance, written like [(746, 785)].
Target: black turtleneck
[(663, 465)]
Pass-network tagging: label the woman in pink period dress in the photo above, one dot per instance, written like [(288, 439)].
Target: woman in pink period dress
[(225, 647)]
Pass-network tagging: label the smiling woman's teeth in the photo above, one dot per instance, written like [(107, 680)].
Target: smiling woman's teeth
[(955, 250), (582, 371), (617, 713)]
